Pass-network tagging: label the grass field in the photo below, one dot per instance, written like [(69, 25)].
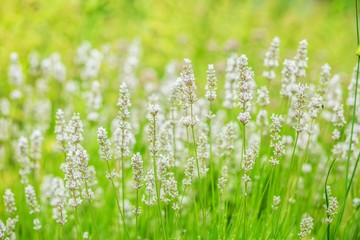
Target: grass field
[(179, 120)]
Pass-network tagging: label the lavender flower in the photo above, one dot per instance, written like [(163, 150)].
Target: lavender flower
[(137, 168), (230, 78), (15, 72), (104, 143), (324, 78), (61, 129), (2, 229), (331, 209), (299, 106), (263, 96), (249, 160), (75, 129), (36, 140), (94, 102), (306, 226), (245, 83), (211, 85), (122, 131), (223, 180), (37, 224), (188, 87), (9, 201), (271, 59), (31, 200), (288, 78), (189, 171), (315, 106), (301, 59), (276, 142)]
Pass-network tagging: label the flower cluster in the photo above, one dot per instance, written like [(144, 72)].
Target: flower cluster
[(211, 84), (288, 78), (271, 59), (244, 83), (331, 210), (249, 160), (301, 59), (306, 226), (276, 141)]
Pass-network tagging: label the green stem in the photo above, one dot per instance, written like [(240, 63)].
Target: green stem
[(117, 202), (202, 200), (93, 217), (157, 187), (77, 217), (39, 234), (353, 174), (292, 159), (173, 130), (352, 126), (92, 213), (306, 153), (327, 198), (136, 214), (245, 213), (211, 158), (122, 170), (284, 194)]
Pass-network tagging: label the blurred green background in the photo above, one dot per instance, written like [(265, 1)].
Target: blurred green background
[(205, 30)]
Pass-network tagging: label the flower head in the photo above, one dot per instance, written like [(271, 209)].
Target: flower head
[(137, 168), (9, 201), (75, 129), (211, 84), (104, 143), (306, 226), (31, 199), (271, 59), (301, 59), (245, 83)]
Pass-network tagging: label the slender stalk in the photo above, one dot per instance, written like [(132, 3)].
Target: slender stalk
[(195, 204), (284, 194), (179, 226), (292, 157), (270, 193), (182, 197), (77, 217), (267, 185), (39, 234), (179, 212), (122, 170), (173, 130), (306, 153), (245, 213), (136, 214), (243, 144), (92, 213), (239, 208), (157, 187), (327, 198), (347, 183), (93, 217), (220, 217), (353, 174), (291, 161), (198, 170), (117, 202), (225, 218), (211, 158)]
